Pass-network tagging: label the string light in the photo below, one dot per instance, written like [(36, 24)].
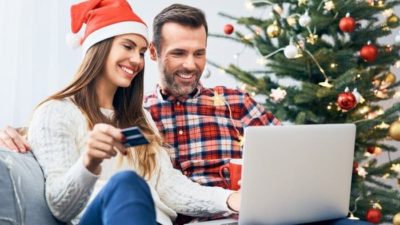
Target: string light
[(379, 3), (383, 125), (249, 5), (258, 31), (302, 2), (278, 9), (386, 176), (385, 27), (261, 61), (388, 48), (361, 172), (291, 20), (380, 112), (364, 109), (376, 205), (395, 167), (397, 64), (387, 12), (333, 65), (312, 38), (381, 93), (329, 5), (248, 37)]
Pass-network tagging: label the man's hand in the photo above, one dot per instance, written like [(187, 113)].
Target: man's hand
[(11, 139)]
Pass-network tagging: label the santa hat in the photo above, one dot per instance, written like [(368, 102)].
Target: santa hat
[(103, 19)]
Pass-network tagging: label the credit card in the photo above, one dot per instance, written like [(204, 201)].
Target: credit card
[(133, 137)]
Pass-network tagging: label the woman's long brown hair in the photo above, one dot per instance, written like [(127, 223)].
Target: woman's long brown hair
[(127, 102)]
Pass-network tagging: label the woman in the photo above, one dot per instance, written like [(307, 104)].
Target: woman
[(75, 134)]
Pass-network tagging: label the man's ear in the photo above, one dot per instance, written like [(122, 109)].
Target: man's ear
[(153, 51)]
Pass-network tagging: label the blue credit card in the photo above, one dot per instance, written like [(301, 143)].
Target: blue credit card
[(133, 137)]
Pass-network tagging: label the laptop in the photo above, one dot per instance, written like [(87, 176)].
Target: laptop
[(295, 174)]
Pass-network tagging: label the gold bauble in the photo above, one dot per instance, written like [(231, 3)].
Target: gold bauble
[(390, 78), (392, 20), (273, 30), (394, 130), (396, 219)]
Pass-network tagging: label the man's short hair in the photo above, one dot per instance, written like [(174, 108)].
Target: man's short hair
[(177, 13)]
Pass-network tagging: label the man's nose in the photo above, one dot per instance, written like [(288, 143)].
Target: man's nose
[(189, 63)]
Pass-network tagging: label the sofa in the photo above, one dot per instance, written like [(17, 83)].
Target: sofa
[(22, 199)]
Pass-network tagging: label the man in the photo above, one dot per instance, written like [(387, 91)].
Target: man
[(203, 125)]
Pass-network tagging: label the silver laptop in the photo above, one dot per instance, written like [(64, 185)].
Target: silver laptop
[(295, 174)]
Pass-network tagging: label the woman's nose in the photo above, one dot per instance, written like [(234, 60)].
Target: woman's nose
[(135, 62), (134, 59)]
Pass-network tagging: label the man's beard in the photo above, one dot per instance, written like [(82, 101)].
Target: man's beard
[(175, 88)]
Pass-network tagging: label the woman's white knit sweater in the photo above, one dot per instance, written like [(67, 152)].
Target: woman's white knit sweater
[(57, 134)]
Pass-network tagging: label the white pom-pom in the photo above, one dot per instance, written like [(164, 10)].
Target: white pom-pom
[(290, 51), (73, 40), (359, 97), (304, 20)]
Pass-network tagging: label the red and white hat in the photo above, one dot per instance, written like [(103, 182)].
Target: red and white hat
[(103, 19)]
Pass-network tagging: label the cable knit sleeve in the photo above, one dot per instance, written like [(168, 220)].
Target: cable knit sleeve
[(185, 196), (53, 135)]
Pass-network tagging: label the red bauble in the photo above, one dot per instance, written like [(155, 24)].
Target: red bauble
[(369, 52), (371, 149), (346, 100), (347, 24), (228, 29), (374, 215), (355, 167)]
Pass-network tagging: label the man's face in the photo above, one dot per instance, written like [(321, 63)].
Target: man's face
[(182, 58)]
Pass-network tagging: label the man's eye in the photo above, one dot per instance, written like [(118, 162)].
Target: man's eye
[(199, 54), (177, 53)]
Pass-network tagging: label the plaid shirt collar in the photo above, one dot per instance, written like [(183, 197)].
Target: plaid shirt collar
[(170, 98)]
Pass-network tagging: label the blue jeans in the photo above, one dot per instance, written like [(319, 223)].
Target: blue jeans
[(126, 199), (343, 221)]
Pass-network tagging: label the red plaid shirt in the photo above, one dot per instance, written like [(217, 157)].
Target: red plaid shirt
[(201, 131)]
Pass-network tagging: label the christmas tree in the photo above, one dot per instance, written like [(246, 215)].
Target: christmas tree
[(339, 73)]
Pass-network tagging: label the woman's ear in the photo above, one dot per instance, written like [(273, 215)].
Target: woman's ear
[(153, 51)]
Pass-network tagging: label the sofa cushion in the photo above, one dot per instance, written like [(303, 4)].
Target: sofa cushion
[(22, 199)]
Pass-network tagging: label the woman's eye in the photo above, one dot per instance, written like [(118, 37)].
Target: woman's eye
[(128, 47)]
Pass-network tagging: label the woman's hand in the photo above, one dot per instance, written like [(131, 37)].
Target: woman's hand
[(103, 143)]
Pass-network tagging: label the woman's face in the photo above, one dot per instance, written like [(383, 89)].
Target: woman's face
[(125, 60)]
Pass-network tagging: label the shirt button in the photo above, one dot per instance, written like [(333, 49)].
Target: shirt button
[(178, 103), (180, 132)]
